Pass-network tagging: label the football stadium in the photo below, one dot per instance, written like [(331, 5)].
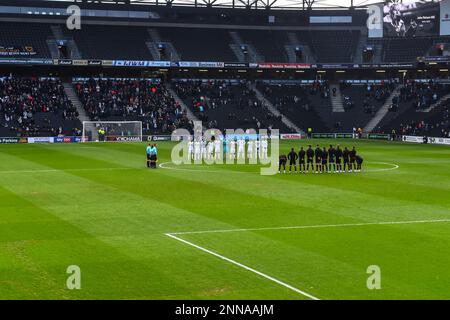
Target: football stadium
[(202, 150)]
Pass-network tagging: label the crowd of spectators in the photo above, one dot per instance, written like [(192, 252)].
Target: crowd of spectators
[(233, 100), (372, 94), (438, 124), (132, 100), (292, 98), (421, 95), (22, 99)]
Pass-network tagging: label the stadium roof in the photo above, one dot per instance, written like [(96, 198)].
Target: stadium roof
[(278, 4)]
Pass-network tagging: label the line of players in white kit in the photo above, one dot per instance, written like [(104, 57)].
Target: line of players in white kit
[(240, 149)]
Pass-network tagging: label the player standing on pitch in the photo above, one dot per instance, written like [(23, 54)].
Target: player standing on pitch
[(338, 154), (352, 159), (318, 154), (301, 160), (359, 162), (250, 151), (310, 158), (241, 149), (331, 159), (191, 149), (324, 167), (282, 163), (292, 157), (265, 148), (345, 156), (232, 144)]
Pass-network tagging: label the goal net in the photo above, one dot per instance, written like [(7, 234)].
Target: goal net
[(95, 131)]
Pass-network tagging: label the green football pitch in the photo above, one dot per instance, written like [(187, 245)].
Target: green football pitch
[(222, 232)]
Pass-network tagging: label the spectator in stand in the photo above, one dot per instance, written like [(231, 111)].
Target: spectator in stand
[(133, 100), (21, 99), (237, 98)]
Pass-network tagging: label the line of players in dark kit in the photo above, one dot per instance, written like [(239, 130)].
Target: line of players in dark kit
[(320, 160)]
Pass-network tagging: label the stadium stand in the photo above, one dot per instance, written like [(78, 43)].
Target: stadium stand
[(296, 102), (405, 50), (32, 106), (332, 46), (32, 35), (112, 42), (406, 118), (270, 44), (211, 36), (132, 100), (227, 105), (196, 44)]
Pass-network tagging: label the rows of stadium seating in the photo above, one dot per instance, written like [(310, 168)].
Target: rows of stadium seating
[(111, 42), (361, 103), (30, 106), (309, 106), (26, 34), (407, 118), (194, 44), (227, 105), (334, 46), (203, 44), (405, 50), (132, 100), (299, 104)]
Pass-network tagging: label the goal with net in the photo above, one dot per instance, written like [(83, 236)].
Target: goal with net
[(127, 131)]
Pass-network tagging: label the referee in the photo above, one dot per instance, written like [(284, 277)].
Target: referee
[(153, 156), (148, 152)]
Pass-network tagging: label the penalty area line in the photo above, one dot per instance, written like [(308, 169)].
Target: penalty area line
[(243, 266)]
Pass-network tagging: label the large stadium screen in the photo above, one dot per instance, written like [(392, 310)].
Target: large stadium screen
[(410, 18)]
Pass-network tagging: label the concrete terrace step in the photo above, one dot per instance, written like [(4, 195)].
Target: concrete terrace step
[(373, 123), (336, 100)]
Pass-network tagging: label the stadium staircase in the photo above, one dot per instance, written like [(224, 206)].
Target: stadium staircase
[(362, 43), (308, 56), (190, 115), (153, 46), (336, 100), (382, 112), (53, 48), (288, 123), (252, 54), (434, 105), (71, 44), (72, 95)]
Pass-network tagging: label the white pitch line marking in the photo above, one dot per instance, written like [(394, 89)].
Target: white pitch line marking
[(164, 166), (175, 235), (63, 170), (243, 266), (316, 226)]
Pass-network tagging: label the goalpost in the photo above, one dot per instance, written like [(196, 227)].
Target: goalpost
[(127, 131)]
